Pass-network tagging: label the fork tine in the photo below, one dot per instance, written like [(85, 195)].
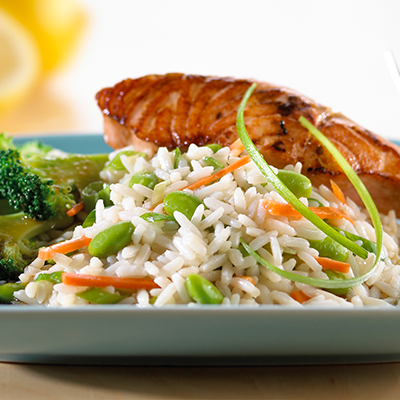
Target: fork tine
[(393, 68)]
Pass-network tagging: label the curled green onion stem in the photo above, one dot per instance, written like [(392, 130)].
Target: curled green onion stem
[(308, 214), (282, 189)]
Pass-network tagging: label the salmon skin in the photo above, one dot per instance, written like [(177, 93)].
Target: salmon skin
[(175, 110)]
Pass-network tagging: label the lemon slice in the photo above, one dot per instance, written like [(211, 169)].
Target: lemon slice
[(56, 25), (20, 61)]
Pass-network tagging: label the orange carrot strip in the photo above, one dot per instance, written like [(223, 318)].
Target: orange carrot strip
[(287, 210), (209, 179), (327, 263), (103, 281), (236, 147), (330, 213), (338, 192), (248, 278), (47, 253), (299, 296), (154, 207), (280, 209), (219, 174), (75, 209)]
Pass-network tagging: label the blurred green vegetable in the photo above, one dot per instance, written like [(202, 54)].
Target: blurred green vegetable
[(214, 147), (100, 296), (111, 240), (148, 179), (212, 162), (53, 277), (183, 202), (330, 248), (298, 184), (116, 163), (7, 291), (202, 291)]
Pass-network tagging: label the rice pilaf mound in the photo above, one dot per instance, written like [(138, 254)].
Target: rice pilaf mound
[(208, 243)]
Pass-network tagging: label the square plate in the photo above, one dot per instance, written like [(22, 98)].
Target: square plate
[(201, 335)]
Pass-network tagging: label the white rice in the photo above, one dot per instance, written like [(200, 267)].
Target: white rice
[(209, 243)]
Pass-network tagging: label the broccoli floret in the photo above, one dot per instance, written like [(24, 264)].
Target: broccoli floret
[(37, 188), (33, 148), (9, 270), (45, 187), (24, 190)]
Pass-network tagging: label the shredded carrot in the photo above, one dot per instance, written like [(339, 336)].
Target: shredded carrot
[(330, 213), (338, 192), (299, 296), (103, 281), (75, 209), (154, 207), (287, 210), (248, 278), (47, 253), (281, 209), (219, 174), (328, 263), (236, 147)]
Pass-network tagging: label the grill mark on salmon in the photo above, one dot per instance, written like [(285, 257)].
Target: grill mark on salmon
[(175, 110)]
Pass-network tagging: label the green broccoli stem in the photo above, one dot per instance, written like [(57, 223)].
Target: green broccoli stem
[(19, 226), (18, 246), (75, 170)]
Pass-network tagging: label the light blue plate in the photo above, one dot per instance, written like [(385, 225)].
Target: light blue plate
[(205, 335), (77, 143)]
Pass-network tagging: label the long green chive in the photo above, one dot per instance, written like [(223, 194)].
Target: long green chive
[(354, 179), (321, 283), (291, 199), (282, 189)]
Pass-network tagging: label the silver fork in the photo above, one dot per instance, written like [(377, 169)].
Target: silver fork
[(393, 68)]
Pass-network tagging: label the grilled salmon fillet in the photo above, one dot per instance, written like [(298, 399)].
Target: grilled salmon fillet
[(175, 110)]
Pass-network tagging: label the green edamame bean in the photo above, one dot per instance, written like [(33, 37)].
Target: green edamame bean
[(90, 219), (202, 291), (90, 195), (155, 217), (214, 147), (116, 162), (148, 179), (95, 191), (212, 162), (298, 184), (310, 199), (7, 291), (153, 300), (366, 244), (330, 248), (334, 275), (104, 195), (183, 202), (111, 240), (100, 296), (53, 277)]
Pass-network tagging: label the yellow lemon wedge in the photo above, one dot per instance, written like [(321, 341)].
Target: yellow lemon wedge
[(19, 61), (55, 24)]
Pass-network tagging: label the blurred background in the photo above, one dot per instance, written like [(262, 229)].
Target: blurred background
[(56, 54)]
